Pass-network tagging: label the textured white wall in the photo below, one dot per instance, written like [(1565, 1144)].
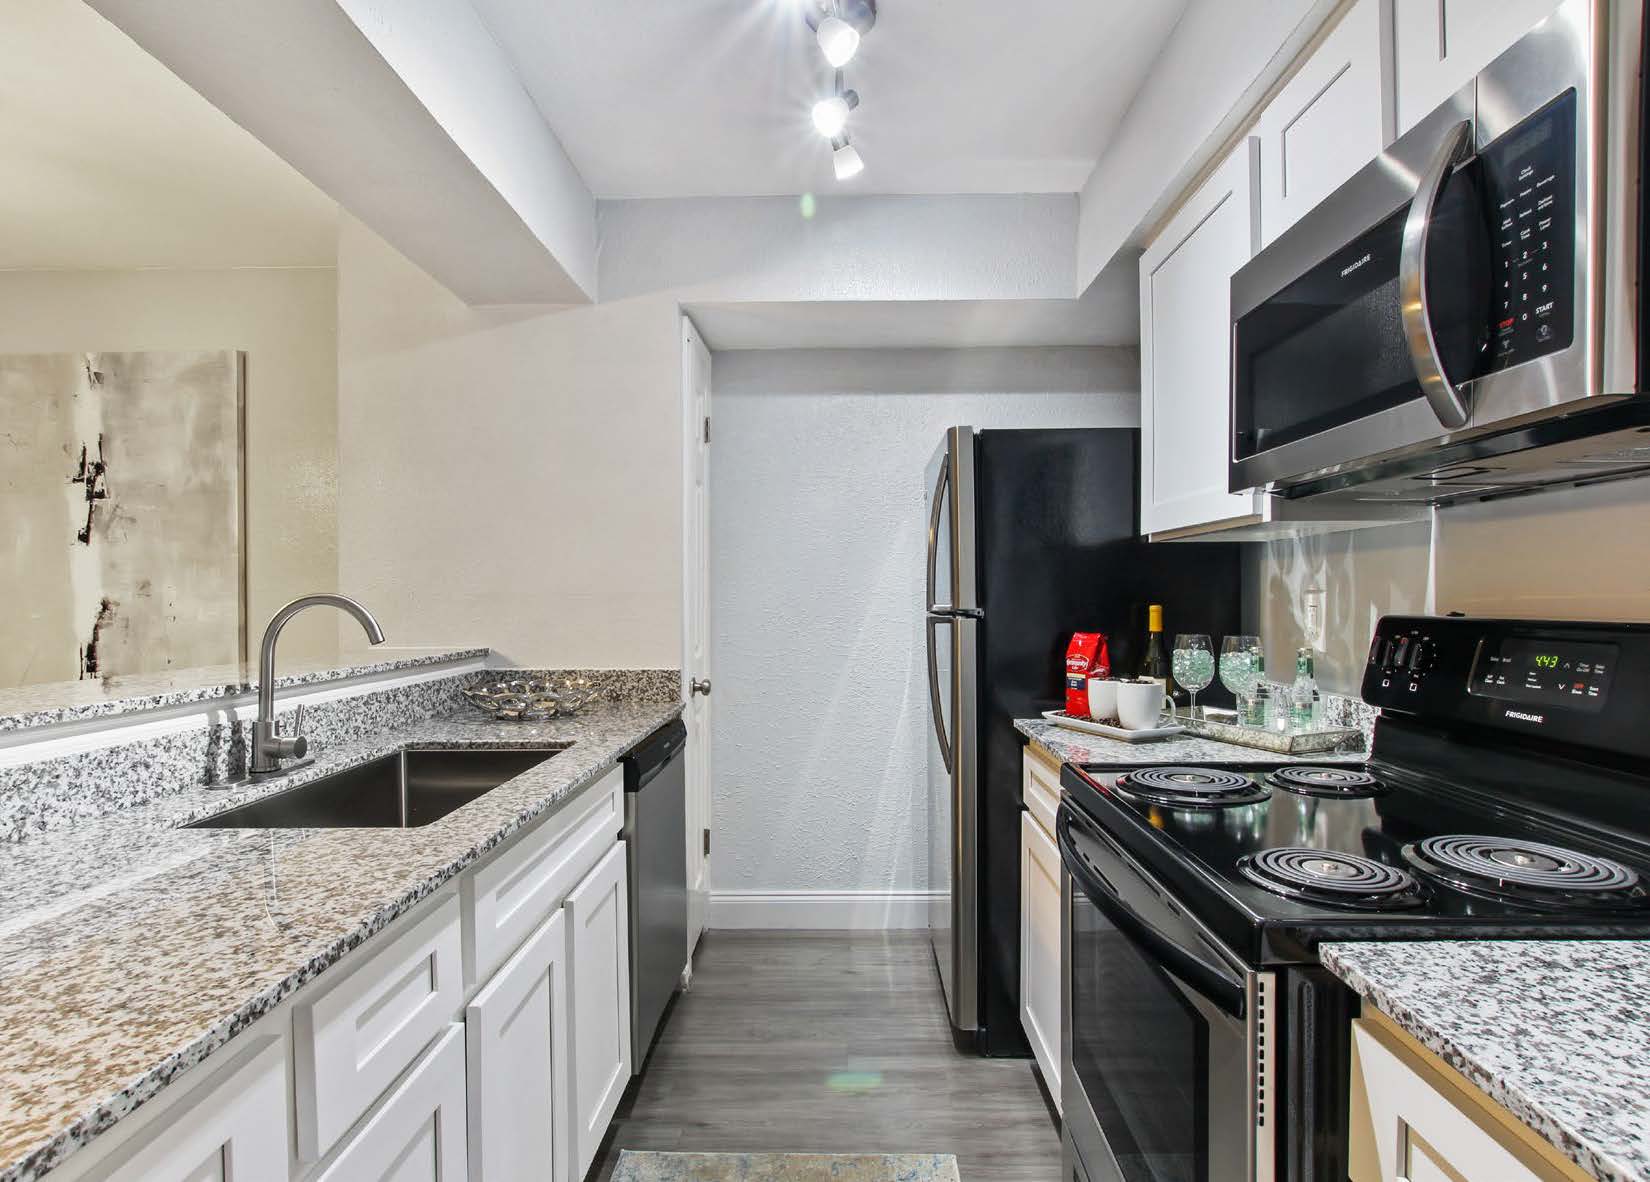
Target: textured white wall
[(817, 543), (508, 476)]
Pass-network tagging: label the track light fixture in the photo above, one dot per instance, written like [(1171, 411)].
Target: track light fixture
[(838, 26)]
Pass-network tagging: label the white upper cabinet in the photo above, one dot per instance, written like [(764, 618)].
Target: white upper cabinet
[(1439, 44), (1185, 351), (1329, 120)]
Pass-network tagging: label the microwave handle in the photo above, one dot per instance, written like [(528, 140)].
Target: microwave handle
[(1441, 394)]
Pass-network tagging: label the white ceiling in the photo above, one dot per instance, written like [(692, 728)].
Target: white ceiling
[(109, 161), (711, 97)]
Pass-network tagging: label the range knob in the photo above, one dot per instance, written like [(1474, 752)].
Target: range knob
[(1401, 653), (1420, 656)]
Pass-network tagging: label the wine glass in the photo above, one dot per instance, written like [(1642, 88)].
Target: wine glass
[(1240, 671), (1193, 665)]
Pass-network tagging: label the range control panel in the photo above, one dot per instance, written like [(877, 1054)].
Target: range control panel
[(1530, 186), (1582, 684)]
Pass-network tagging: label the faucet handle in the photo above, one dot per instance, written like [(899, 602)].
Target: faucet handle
[(298, 721)]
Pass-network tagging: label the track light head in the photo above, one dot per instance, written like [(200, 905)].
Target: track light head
[(831, 114), (838, 26), (845, 159)]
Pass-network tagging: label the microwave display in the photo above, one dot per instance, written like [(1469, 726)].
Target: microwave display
[(1529, 188), (1571, 675)]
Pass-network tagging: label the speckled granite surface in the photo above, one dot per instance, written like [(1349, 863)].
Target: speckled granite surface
[(77, 701), (1069, 746), (784, 1167), (131, 950), (1553, 1030)]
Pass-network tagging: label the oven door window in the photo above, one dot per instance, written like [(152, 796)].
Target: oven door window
[(1164, 1071), (1329, 348)]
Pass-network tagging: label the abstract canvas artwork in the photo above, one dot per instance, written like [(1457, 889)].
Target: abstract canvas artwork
[(121, 506)]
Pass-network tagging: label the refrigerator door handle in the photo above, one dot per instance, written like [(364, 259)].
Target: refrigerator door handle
[(940, 488), (934, 694)]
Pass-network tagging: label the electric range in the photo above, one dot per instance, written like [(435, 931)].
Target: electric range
[(1505, 796)]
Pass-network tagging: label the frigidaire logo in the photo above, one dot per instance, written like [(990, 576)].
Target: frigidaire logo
[(1351, 267), (1523, 717)]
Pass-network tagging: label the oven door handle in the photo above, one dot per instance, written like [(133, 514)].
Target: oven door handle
[(1446, 401), (1221, 986)]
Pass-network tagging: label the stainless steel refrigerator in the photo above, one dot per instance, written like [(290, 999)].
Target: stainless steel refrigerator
[(1031, 536)]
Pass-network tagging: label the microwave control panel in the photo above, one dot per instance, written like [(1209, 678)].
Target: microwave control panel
[(1530, 186)]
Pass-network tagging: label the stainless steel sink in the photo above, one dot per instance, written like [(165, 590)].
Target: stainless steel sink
[(400, 791)]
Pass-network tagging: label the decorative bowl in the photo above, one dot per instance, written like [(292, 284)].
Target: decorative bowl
[(532, 699)]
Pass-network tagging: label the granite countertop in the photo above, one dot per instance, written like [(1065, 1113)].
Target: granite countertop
[(131, 950), (1069, 746), (1552, 1030), (51, 703)]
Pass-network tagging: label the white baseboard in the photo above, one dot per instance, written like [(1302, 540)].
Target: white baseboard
[(821, 910)]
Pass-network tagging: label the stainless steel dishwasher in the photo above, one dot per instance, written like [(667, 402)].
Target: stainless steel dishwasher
[(655, 830)]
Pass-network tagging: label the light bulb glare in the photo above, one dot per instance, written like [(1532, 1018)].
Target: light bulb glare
[(847, 162), (838, 41), (831, 116)]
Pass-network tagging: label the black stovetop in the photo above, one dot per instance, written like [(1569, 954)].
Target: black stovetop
[(1198, 854)]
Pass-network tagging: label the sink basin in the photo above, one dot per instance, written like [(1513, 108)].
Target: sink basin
[(400, 791)]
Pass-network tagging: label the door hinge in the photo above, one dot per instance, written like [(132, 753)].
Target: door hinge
[(707, 428), (707, 843)]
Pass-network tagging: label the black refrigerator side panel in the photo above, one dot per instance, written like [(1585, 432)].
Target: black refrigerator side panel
[(1058, 552)]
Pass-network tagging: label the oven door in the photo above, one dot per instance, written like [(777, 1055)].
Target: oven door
[(1168, 1046)]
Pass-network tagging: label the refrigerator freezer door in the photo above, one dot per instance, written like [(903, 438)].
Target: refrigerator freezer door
[(952, 808), (950, 483)]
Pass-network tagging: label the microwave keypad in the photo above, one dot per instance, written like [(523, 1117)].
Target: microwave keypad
[(1529, 178)]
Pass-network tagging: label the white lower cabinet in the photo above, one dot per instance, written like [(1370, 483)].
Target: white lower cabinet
[(418, 1133), (516, 1054), (598, 952), (1040, 967), (236, 1133), (1415, 1119)]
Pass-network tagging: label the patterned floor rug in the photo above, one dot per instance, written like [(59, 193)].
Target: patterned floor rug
[(637, 1166)]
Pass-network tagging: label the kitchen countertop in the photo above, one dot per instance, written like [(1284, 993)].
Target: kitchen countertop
[(51, 703), (131, 950), (1068, 746), (1552, 1030)]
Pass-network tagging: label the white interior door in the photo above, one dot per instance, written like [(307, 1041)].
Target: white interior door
[(696, 683)]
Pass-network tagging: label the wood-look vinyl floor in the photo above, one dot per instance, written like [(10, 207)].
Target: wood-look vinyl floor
[(830, 1043)]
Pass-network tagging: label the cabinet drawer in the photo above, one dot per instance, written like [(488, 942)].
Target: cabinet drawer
[(506, 898), (350, 1043), (1040, 789), (417, 1135), (236, 1130)]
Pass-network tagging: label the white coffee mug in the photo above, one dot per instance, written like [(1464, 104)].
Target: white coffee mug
[(1102, 699), (1140, 704)]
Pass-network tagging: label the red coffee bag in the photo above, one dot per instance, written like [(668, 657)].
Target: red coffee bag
[(1086, 657)]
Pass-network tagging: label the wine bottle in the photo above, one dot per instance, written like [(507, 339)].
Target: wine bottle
[(1156, 666), (1303, 695)]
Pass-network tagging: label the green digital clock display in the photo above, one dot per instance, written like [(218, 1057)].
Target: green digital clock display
[(1566, 675)]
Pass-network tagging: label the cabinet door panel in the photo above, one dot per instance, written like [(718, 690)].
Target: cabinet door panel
[(1040, 968), (516, 1048), (598, 939), (1438, 45), (1329, 120), (236, 1132), (417, 1134), (1185, 350)]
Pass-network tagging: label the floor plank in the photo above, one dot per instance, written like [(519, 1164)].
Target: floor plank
[(814, 1042)]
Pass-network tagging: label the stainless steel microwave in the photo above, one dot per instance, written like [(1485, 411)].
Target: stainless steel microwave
[(1463, 318)]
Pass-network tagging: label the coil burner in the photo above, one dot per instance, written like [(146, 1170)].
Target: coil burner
[(1191, 787), (1321, 876), (1346, 782), (1528, 873)]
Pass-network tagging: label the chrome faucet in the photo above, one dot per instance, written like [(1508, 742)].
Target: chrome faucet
[(269, 747)]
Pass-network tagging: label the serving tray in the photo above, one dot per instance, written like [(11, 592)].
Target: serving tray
[(1106, 731), (1313, 742)]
